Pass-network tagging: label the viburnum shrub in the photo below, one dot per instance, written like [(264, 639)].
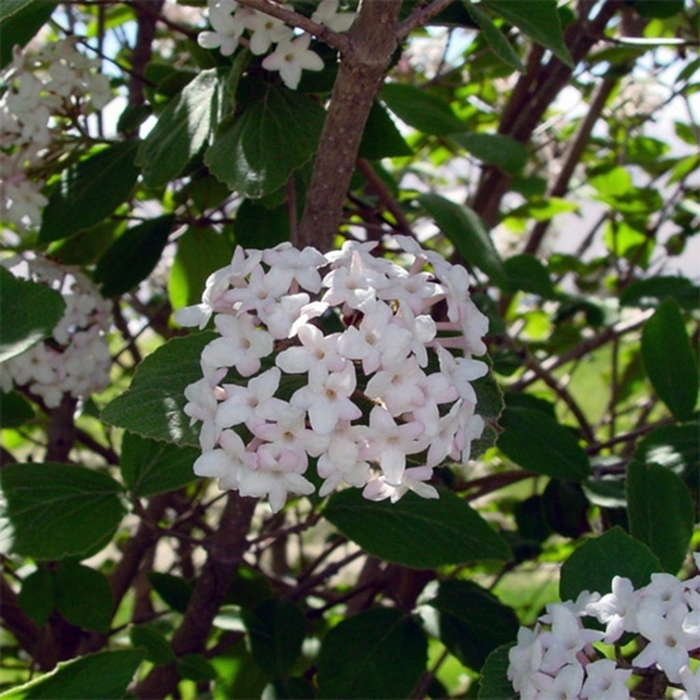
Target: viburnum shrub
[(351, 362), (563, 658)]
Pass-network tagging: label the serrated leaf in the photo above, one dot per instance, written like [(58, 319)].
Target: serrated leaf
[(53, 511), (539, 19), (200, 251), (494, 37), (467, 231), (494, 683), (133, 256), (184, 126), (30, 312), (18, 27), (103, 676), (421, 110), (381, 138), (83, 596), (502, 151), (592, 566), (153, 406), (277, 629), (150, 467), (669, 361), (90, 191), (540, 444), (377, 654), (665, 529), (276, 133), (418, 532), (472, 621)]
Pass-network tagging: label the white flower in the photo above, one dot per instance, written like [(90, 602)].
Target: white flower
[(318, 354), (617, 610), (605, 681), (266, 30), (251, 404), (292, 56), (327, 13), (412, 479)]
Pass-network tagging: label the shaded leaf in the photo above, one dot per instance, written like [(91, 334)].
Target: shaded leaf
[(277, 629), (133, 256), (21, 23), (196, 667), (30, 312), (257, 226), (103, 676), (254, 154), (540, 444), (421, 110), (418, 532), (495, 149), (153, 406), (660, 511), (381, 138), (592, 566), (494, 37), (669, 361), (184, 126), (174, 591), (526, 273), (150, 467), (83, 596), (37, 597), (539, 19), (468, 233), (90, 191), (650, 292), (52, 511), (472, 621), (494, 683), (377, 654), (154, 644)]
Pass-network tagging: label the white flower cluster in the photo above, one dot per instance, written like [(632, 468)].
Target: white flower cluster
[(337, 358), (291, 55), (36, 92), (557, 659), (76, 359)]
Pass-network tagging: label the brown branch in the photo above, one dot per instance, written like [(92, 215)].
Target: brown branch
[(420, 17), (294, 19), (61, 431), (572, 158), (227, 546), (24, 629), (371, 45), (385, 196), (148, 13)]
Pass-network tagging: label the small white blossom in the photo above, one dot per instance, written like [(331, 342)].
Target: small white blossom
[(291, 57)]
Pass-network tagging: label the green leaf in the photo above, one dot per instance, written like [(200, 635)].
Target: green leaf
[(30, 312), (418, 532), (277, 629), (174, 591), (467, 232), (133, 256), (661, 512), (196, 667), (539, 19), (421, 110), (52, 511), (200, 251), (15, 410), (494, 683), (185, 125), (153, 406), (381, 138), (657, 8), (494, 37), (18, 28), (154, 644), (675, 447), (540, 444), (90, 191), (380, 653), (103, 676), (669, 361), (472, 621), (277, 133), (592, 566), (526, 273), (257, 226), (83, 596), (150, 467), (650, 292), (37, 596), (495, 149)]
